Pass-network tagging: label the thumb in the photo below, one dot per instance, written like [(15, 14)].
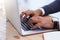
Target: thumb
[(36, 26)]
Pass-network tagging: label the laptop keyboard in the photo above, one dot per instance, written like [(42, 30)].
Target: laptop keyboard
[(27, 27)]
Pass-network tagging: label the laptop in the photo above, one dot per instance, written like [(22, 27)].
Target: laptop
[(12, 12)]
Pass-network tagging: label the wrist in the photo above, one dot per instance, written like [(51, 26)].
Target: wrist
[(43, 11), (56, 22), (39, 12)]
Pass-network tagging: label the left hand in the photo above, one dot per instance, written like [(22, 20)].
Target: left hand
[(45, 22), (26, 13)]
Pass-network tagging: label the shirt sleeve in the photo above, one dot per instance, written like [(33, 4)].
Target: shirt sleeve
[(43, 11), (52, 8)]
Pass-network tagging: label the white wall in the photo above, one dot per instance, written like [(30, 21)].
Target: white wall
[(35, 4)]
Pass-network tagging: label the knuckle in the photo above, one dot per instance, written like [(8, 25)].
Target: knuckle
[(32, 19)]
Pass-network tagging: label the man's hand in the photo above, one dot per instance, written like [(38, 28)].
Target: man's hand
[(45, 22), (30, 13)]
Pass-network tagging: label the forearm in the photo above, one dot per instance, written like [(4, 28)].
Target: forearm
[(52, 8)]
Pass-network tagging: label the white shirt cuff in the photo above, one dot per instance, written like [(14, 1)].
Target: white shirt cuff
[(43, 12)]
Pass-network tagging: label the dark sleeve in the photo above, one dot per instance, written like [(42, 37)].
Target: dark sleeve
[(52, 8)]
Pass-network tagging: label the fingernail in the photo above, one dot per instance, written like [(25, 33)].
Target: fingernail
[(23, 16)]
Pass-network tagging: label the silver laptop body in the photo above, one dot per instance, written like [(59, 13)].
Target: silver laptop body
[(13, 16)]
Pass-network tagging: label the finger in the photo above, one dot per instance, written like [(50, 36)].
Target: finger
[(24, 18), (36, 26), (29, 22), (21, 15)]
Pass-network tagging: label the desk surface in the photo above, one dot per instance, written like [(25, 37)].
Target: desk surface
[(12, 34)]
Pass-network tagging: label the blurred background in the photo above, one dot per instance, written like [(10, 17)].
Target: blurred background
[(35, 4), (2, 21), (23, 4)]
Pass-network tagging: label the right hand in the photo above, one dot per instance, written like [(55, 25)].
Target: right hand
[(31, 13), (45, 22)]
